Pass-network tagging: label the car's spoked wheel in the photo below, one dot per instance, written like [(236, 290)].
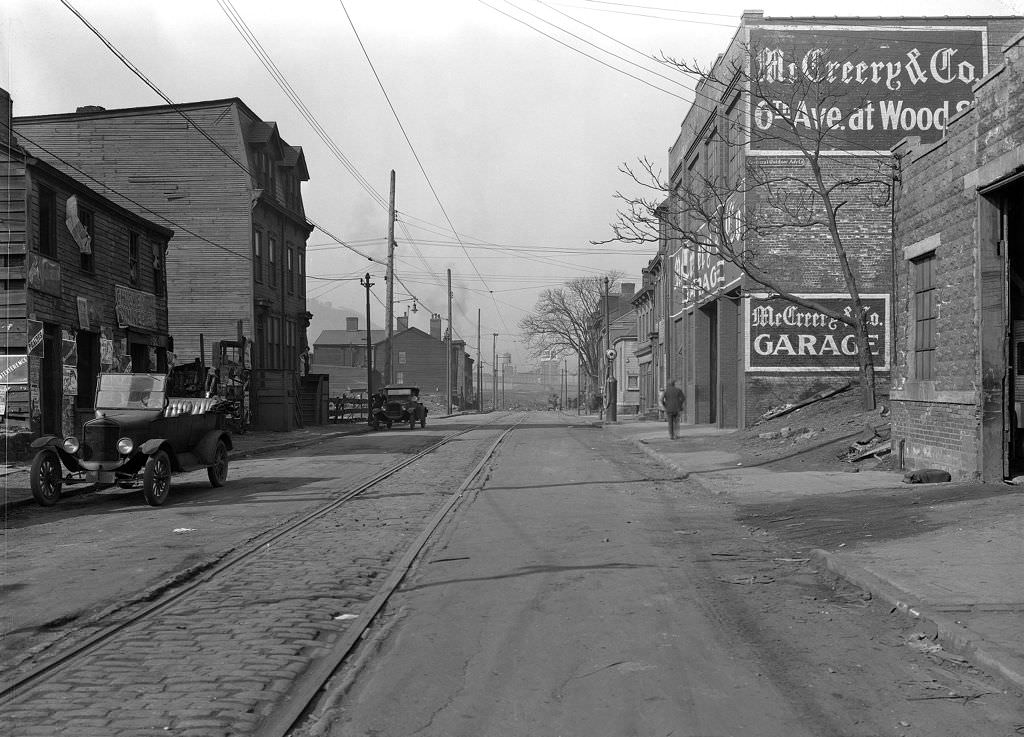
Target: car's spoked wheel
[(46, 478), (156, 480), (218, 472)]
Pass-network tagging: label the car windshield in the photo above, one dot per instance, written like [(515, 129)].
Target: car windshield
[(130, 391)]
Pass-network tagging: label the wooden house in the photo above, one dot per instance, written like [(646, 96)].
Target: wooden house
[(83, 291), (229, 186)]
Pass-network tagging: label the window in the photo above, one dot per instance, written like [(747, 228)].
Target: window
[(291, 268), (400, 378), (272, 261), (401, 356), (159, 277), (302, 273), (274, 343), (133, 259), (257, 256), (632, 382), (88, 367), (86, 259), (925, 313), (47, 222)]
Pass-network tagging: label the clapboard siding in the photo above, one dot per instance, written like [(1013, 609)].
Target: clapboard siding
[(160, 166)]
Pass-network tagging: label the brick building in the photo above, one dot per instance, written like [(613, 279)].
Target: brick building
[(739, 348), (84, 291), (958, 378), (232, 186)]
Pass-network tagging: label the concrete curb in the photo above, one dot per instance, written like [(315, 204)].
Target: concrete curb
[(953, 636)]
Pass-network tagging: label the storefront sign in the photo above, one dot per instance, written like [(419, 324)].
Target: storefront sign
[(867, 86), (75, 226), (783, 337), (42, 274), (135, 308), (13, 369), (34, 338)]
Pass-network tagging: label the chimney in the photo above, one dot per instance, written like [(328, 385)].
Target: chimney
[(352, 324), (403, 322), (90, 109), (435, 326), (6, 107), (627, 289)]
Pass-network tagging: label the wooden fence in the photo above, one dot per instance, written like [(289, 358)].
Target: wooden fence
[(346, 409)]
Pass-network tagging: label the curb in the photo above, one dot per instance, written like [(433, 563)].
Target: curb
[(953, 636)]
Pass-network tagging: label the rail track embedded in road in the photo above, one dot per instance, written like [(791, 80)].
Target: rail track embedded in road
[(269, 713)]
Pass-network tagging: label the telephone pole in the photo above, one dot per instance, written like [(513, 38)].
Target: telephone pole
[(366, 283), (448, 352), (494, 370), (479, 367), (390, 278)]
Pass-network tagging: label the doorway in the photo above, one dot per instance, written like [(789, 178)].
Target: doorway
[(1012, 227), (51, 393)]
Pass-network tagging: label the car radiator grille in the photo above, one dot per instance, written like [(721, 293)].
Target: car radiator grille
[(100, 442)]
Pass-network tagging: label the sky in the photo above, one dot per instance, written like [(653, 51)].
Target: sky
[(505, 121)]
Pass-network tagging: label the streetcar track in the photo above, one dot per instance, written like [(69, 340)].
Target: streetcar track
[(196, 578)]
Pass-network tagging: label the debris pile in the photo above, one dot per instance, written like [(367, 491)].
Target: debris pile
[(872, 443)]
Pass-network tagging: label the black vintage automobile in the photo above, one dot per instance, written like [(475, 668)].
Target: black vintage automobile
[(400, 404), (139, 435)]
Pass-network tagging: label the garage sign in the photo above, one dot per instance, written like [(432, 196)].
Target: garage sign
[(780, 336)]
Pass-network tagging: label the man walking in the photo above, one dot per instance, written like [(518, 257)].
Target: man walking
[(672, 400)]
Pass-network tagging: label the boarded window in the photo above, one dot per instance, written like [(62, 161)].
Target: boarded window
[(925, 313)]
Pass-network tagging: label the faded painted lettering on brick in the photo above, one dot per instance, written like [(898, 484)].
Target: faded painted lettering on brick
[(781, 336), (866, 86)]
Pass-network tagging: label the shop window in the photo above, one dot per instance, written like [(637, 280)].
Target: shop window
[(87, 219), (925, 313), (133, 259), (47, 222), (88, 345)]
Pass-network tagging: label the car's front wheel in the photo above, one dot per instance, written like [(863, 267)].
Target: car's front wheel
[(46, 478), (218, 472), (156, 480)]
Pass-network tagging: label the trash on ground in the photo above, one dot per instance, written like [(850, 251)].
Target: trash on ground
[(180, 530), (345, 616)]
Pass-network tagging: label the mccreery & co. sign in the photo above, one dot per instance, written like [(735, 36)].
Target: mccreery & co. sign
[(780, 336), (869, 86)]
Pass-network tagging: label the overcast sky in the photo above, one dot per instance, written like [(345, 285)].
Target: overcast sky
[(518, 134)]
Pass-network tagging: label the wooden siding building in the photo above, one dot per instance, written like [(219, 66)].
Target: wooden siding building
[(83, 291), (229, 186)]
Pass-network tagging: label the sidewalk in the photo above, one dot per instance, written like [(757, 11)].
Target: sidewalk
[(948, 555), (14, 479)]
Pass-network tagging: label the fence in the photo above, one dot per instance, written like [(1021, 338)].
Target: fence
[(346, 409)]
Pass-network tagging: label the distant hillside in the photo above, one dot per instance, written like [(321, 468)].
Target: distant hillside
[(328, 317)]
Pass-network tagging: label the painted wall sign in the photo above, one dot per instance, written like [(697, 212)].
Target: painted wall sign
[(76, 227), (13, 369), (135, 308), (780, 336), (869, 85), (42, 274)]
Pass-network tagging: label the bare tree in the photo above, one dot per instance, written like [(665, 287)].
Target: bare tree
[(569, 320), (739, 218)]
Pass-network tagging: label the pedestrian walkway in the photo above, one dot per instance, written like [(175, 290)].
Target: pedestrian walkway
[(957, 569)]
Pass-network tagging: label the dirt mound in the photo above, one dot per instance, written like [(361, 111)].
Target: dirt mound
[(818, 436)]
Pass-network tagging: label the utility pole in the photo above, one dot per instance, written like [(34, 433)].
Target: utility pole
[(366, 283), (448, 346), (611, 389), (479, 367), (390, 306), (494, 372)]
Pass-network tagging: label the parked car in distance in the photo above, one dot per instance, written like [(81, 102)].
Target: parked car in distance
[(139, 436), (400, 404)]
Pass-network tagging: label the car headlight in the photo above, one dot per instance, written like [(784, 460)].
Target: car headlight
[(125, 446), (71, 444)]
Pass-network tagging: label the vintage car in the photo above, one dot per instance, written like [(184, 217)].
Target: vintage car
[(139, 435), (399, 403)]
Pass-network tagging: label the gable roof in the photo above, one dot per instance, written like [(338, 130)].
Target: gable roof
[(348, 337)]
